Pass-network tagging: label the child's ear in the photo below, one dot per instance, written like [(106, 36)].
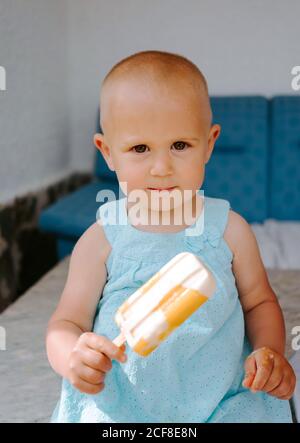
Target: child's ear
[(213, 135), (101, 145)]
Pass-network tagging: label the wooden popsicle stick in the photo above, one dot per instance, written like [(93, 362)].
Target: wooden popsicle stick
[(119, 340)]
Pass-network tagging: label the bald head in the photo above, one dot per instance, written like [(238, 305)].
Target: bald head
[(154, 72)]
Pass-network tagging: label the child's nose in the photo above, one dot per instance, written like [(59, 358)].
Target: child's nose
[(162, 165)]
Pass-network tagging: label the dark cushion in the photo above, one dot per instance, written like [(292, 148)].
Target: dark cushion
[(70, 216), (285, 158), (238, 167)]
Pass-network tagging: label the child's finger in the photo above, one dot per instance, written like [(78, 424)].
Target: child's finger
[(264, 364), (250, 370), (248, 380), (282, 389), (103, 344), (275, 378)]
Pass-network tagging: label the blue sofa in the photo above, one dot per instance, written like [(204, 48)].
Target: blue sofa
[(255, 165)]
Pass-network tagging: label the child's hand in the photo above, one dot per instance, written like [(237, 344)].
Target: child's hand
[(268, 371), (89, 361)]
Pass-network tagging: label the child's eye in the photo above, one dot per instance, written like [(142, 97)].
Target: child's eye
[(180, 145), (139, 148)]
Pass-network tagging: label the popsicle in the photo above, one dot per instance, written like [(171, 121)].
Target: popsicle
[(163, 303)]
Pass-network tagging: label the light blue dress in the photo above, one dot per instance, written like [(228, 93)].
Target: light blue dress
[(196, 374)]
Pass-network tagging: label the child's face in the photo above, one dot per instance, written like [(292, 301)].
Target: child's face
[(160, 139)]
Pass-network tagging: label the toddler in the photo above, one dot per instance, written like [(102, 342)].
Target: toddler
[(226, 362)]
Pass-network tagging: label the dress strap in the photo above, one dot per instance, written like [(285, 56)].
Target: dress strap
[(216, 213), (109, 215)]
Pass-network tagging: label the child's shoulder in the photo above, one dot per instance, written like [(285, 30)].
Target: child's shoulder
[(93, 240), (247, 265), (238, 233)]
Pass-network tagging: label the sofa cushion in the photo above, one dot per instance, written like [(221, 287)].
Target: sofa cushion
[(238, 167), (285, 158), (70, 216)]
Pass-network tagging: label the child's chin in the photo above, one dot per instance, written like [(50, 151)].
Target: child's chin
[(165, 204)]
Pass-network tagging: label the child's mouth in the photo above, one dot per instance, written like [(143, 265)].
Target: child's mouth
[(162, 189)]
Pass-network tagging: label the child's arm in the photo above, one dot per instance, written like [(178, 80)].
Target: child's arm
[(73, 351), (266, 368)]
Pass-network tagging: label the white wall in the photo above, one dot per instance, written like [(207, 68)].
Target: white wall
[(242, 46), (34, 109)]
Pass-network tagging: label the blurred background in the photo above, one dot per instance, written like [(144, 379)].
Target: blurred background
[(54, 55)]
